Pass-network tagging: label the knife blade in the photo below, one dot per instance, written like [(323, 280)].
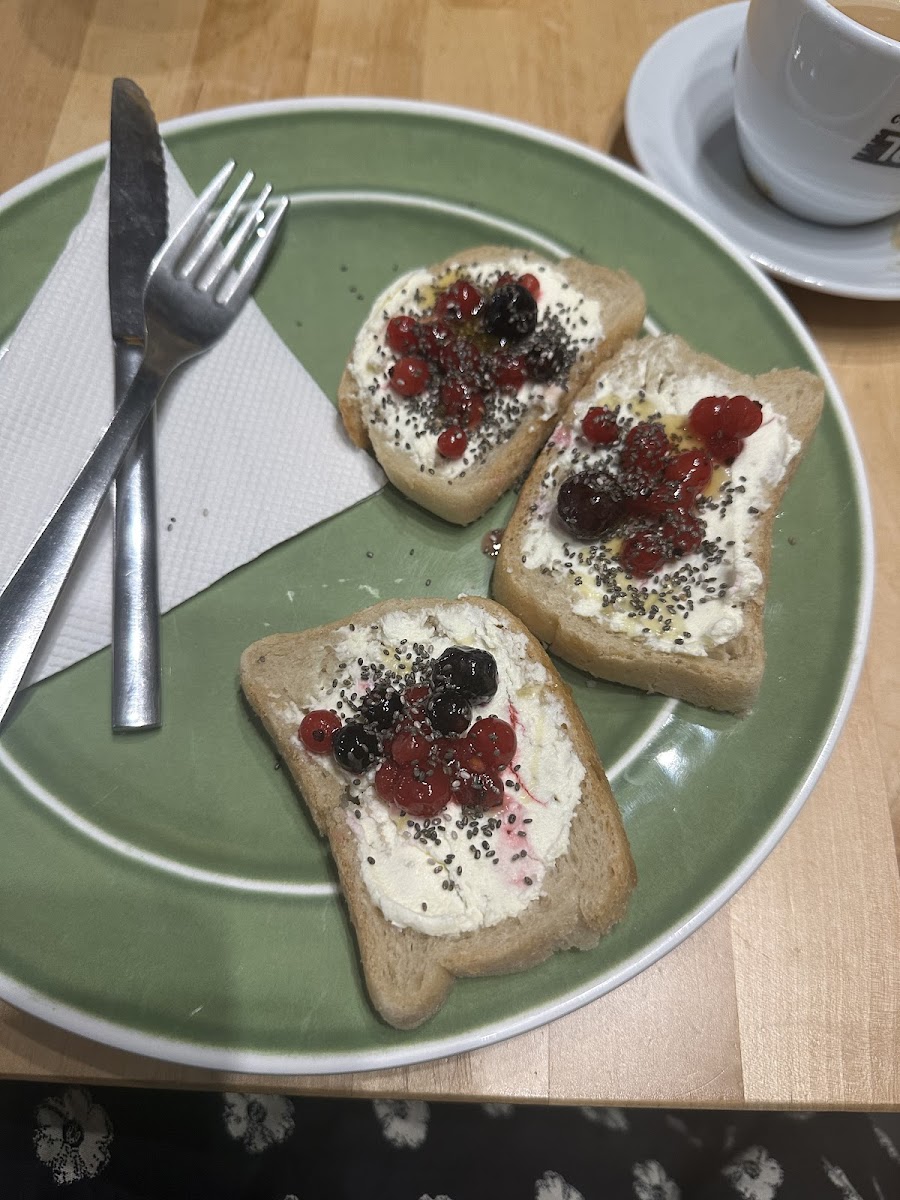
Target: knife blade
[(138, 226)]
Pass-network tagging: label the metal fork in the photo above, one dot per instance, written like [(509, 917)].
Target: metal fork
[(193, 294)]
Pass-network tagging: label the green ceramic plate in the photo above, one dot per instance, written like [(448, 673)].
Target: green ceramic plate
[(166, 893)]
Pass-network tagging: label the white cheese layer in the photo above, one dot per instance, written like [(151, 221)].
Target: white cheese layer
[(455, 873), (413, 294), (704, 607)]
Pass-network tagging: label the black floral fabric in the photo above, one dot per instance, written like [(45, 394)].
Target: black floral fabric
[(74, 1143)]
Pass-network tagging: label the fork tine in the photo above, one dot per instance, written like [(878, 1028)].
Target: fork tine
[(200, 253), (236, 290), (223, 258), (184, 235)]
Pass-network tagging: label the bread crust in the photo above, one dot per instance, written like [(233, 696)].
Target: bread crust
[(462, 501), (408, 974), (728, 678)]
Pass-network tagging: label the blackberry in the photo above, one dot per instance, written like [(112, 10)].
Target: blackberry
[(355, 748), (510, 314), (473, 672)]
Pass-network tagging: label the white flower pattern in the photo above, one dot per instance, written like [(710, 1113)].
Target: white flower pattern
[(755, 1175), (552, 1186), (839, 1178), (651, 1182), (258, 1121), (403, 1122), (72, 1136), (613, 1119)]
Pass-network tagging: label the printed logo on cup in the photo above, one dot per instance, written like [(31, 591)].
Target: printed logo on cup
[(883, 150)]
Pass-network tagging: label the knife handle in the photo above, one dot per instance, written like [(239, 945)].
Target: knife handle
[(30, 596), (135, 641)]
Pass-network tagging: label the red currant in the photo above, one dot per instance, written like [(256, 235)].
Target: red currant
[(452, 442), (509, 371), (646, 448), (460, 301), (438, 341), (705, 419), (683, 532), (642, 553), (403, 334), (409, 376), (531, 283), (691, 468), (420, 793), (471, 412), (317, 729), (455, 393), (409, 747), (741, 417), (659, 500), (724, 449), (494, 740), (599, 426)]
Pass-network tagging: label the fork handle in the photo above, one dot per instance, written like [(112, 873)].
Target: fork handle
[(135, 640), (31, 594)]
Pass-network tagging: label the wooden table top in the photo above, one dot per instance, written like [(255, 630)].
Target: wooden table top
[(790, 995)]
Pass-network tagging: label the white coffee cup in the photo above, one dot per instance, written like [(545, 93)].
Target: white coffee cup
[(817, 107)]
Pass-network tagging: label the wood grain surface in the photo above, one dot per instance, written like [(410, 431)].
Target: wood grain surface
[(790, 996)]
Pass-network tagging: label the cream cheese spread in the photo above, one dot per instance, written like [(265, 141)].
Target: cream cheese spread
[(465, 869), (409, 424), (698, 603)]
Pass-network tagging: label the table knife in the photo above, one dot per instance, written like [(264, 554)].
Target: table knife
[(138, 223)]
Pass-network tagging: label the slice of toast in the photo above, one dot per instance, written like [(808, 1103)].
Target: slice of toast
[(539, 889), (605, 623), (597, 309)]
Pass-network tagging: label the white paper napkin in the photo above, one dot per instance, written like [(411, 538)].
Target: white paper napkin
[(250, 450)]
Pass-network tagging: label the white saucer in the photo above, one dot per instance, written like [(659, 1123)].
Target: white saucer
[(680, 124)]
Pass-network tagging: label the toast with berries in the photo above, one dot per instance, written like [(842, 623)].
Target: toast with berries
[(457, 376), (468, 814), (640, 545)]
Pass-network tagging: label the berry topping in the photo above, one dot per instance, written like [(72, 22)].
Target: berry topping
[(452, 442), (646, 448), (317, 729), (642, 553), (724, 449), (494, 741), (381, 707), (599, 426), (589, 505), (409, 746), (548, 359), (510, 314), (742, 416), (471, 672), (691, 468), (480, 789), (417, 792), (409, 376), (449, 710), (403, 334), (509, 371), (438, 342), (355, 747), (471, 412), (683, 533), (460, 301), (531, 283), (659, 499), (722, 421), (455, 393), (705, 417)]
